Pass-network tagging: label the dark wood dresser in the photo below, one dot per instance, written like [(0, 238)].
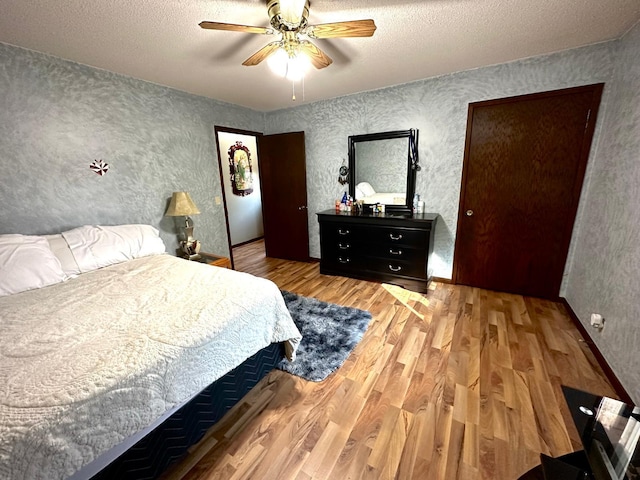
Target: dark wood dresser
[(381, 247)]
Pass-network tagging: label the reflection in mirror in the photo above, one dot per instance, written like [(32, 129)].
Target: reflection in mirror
[(381, 171), (382, 167)]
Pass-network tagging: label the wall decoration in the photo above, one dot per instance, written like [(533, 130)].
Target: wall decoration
[(240, 169), (100, 167), (343, 177)]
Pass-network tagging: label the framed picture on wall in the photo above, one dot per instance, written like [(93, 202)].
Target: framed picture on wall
[(240, 169)]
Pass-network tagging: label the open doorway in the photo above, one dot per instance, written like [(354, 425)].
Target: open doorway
[(270, 169), (239, 165)]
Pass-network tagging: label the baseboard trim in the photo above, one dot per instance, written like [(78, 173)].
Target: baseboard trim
[(611, 376), (441, 280), (247, 242)]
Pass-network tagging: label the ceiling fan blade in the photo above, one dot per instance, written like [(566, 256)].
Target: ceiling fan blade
[(352, 28), (319, 59), (232, 27), (261, 54)]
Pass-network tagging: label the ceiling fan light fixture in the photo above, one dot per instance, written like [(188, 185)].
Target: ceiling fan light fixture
[(291, 11), (290, 66), (293, 54), (288, 15)]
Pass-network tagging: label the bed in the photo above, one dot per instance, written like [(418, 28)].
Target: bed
[(130, 336), (366, 193)]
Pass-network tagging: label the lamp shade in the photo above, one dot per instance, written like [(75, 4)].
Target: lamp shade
[(181, 205)]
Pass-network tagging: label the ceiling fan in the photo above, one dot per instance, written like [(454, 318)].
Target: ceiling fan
[(289, 18)]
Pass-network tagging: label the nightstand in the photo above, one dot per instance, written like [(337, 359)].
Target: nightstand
[(211, 259)]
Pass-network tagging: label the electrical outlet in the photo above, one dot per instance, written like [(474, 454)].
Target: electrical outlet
[(218, 200), (597, 321)]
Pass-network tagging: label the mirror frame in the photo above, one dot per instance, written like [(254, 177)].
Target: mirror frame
[(412, 164)]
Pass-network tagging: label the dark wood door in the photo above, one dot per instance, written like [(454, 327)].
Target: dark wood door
[(284, 195), (523, 169)]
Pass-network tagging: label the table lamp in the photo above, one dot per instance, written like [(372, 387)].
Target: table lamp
[(181, 205)]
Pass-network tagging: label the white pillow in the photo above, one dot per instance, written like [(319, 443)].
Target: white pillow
[(366, 189), (27, 262), (98, 246), (61, 250)]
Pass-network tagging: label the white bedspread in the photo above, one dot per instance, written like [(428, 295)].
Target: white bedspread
[(86, 363)]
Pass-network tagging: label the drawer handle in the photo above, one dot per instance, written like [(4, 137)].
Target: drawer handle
[(395, 269), (395, 252), (343, 260), (343, 232), (345, 246), (398, 237)]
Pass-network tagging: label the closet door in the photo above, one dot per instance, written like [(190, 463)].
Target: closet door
[(524, 165)]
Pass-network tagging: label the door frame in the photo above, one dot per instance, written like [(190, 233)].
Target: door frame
[(216, 130), (584, 158)]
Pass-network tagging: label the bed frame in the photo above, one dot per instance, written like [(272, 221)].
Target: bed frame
[(169, 442)]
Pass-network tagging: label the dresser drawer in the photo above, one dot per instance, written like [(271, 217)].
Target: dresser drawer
[(336, 247), (341, 261), (404, 268), (397, 252), (375, 257), (395, 236), (340, 232), (356, 234)]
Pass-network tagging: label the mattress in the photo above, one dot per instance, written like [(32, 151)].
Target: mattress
[(170, 441), (86, 363)]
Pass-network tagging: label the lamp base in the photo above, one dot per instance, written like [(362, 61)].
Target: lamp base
[(190, 248)]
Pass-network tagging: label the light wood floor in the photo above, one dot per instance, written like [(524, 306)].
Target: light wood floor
[(460, 383)]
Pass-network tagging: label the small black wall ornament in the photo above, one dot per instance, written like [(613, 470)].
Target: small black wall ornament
[(343, 176)]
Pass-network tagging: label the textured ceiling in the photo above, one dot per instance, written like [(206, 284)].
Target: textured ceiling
[(160, 40)]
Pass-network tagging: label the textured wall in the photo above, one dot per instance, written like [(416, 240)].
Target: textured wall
[(438, 108), (605, 274), (56, 117)]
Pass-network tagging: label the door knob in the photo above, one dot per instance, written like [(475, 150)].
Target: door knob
[(469, 213)]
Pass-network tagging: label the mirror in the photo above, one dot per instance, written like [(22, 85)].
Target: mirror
[(383, 167)]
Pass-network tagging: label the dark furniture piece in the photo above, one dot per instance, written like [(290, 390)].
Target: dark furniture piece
[(381, 247), (610, 433)]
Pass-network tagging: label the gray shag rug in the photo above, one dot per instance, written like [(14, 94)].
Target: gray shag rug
[(329, 333)]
